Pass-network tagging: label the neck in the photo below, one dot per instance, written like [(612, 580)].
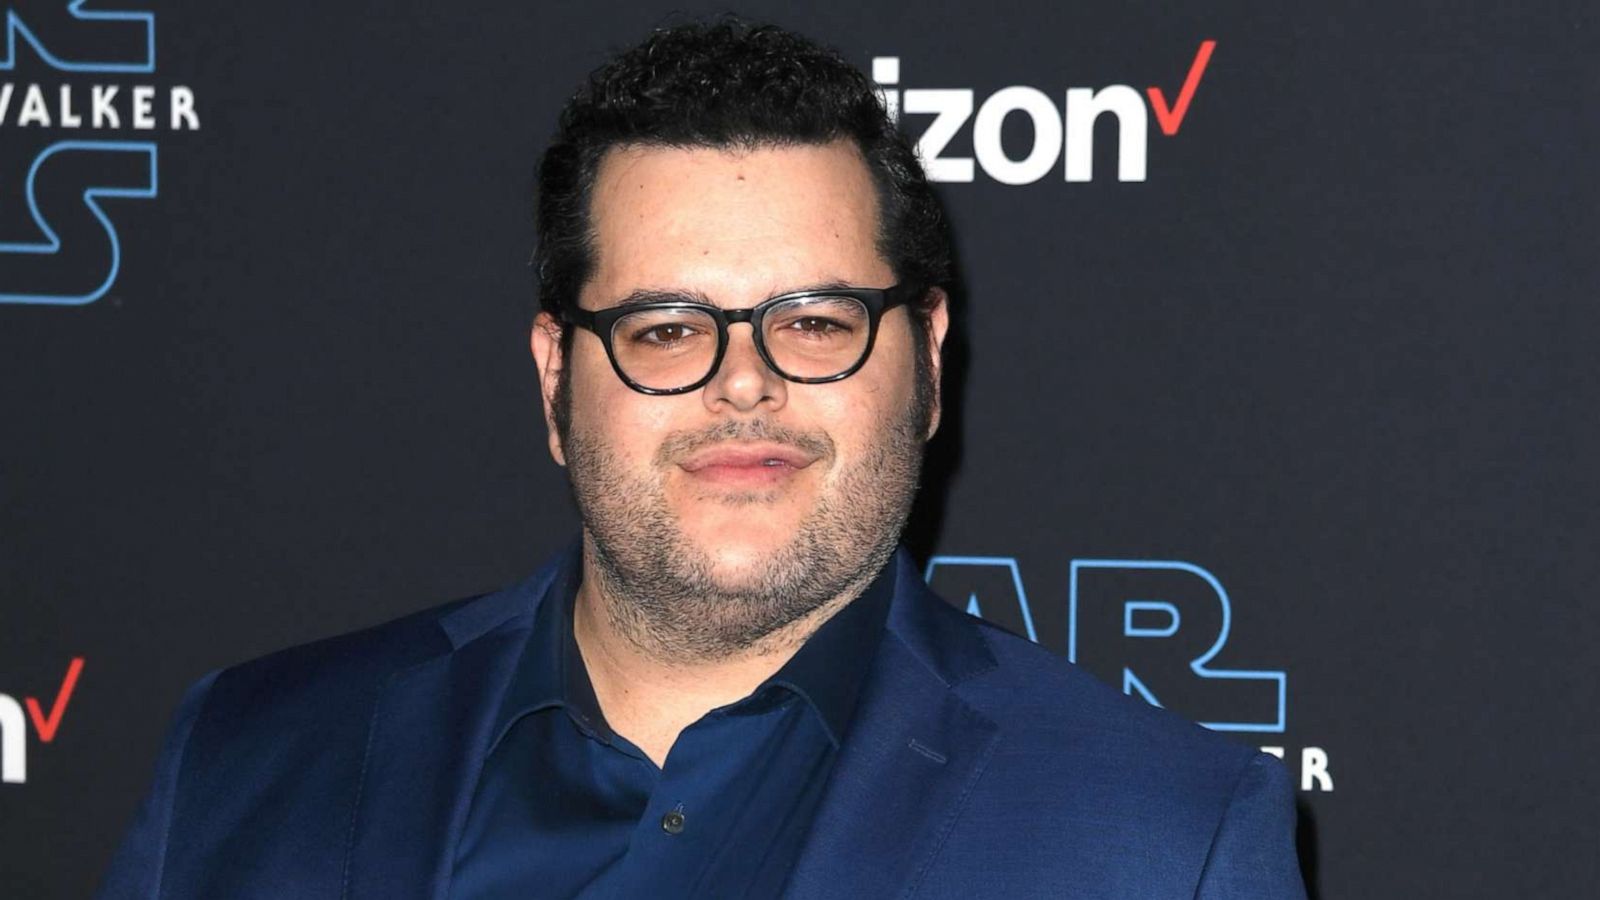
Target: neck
[(650, 694)]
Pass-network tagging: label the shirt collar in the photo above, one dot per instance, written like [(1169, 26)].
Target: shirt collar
[(827, 671), (550, 672)]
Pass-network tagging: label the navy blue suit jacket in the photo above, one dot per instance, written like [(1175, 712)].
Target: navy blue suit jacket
[(978, 765)]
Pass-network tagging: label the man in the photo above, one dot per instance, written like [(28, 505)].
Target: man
[(733, 686)]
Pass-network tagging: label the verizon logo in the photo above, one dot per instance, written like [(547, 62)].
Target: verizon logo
[(1064, 132), (14, 727)]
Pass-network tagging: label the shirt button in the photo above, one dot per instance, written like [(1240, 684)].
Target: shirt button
[(672, 822)]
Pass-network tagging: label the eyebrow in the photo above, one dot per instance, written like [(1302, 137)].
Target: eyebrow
[(641, 296)]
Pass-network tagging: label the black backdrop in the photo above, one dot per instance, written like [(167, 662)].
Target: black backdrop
[(1323, 380)]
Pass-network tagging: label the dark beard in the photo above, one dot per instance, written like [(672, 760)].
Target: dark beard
[(659, 590)]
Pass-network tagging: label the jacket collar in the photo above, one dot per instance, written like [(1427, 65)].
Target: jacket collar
[(915, 749), (943, 639), (430, 730)]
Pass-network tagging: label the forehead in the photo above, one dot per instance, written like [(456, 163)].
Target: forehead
[(733, 224)]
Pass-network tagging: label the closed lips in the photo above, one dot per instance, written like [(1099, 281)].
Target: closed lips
[(748, 456)]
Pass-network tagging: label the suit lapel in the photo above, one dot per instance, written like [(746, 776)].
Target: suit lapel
[(913, 750), (431, 727)]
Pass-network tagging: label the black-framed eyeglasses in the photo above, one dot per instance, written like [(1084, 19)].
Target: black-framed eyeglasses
[(810, 337)]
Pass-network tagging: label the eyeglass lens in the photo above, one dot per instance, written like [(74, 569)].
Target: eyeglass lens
[(810, 337)]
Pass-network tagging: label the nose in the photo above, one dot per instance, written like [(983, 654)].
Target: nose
[(744, 381)]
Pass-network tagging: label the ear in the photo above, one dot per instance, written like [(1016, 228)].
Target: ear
[(545, 341), (938, 326)]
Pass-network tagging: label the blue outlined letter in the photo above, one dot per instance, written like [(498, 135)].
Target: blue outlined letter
[(81, 267), (77, 42), (73, 253), (1170, 663)]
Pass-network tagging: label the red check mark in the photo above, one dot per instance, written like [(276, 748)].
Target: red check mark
[(47, 726), (1170, 118)]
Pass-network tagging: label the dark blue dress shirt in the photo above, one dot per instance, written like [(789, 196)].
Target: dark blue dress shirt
[(565, 807)]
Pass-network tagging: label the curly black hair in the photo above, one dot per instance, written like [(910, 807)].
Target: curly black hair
[(728, 84)]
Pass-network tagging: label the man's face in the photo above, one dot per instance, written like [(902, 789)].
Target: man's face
[(714, 501)]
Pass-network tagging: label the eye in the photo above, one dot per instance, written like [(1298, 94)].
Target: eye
[(818, 320), (664, 333), (817, 325)]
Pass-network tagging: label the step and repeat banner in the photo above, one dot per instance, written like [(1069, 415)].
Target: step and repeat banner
[(1274, 395)]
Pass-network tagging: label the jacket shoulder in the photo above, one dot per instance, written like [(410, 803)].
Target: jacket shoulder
[(273, 740), (1040, 696), (1134, 800)]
